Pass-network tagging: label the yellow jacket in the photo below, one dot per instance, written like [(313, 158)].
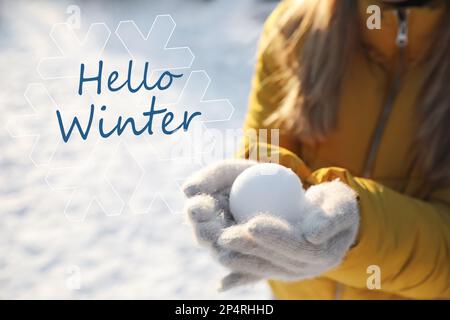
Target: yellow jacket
[(405, 228)]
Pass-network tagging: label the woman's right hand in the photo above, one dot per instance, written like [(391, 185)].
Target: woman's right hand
[(208, 209)]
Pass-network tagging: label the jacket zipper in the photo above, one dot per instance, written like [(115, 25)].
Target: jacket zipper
[(401, 42)]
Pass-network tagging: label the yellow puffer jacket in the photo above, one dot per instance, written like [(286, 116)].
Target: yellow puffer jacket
[(405, 228)]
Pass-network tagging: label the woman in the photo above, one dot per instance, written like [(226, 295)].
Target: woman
[(369, 107)]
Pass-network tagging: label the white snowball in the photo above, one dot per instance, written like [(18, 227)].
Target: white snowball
[(267, 188)]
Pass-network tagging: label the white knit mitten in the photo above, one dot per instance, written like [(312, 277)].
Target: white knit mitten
[(266, 246), (208, 193)]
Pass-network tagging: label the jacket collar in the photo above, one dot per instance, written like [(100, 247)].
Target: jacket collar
[(422, 24)]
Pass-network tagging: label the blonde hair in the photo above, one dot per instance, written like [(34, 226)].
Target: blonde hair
[(328, 34)]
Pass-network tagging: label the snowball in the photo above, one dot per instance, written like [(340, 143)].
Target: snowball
[(267, 188)]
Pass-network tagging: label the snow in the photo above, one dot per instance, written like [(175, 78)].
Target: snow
[(275, 189), (55, 241)]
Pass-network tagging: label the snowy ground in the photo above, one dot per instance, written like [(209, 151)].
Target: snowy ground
[(55, 241)]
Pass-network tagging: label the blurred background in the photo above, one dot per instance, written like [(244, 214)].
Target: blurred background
[(102, 219)]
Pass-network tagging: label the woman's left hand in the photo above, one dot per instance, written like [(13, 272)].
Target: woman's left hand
[(269, 247)]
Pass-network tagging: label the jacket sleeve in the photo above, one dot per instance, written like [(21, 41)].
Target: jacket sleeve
[(407, 238)]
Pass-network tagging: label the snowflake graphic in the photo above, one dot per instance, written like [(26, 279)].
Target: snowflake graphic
[(103, 192), (153, 46), (143, 186), (45, 142), (71, 49)]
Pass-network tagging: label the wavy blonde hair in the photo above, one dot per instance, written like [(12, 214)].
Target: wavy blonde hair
[(327, 32)]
